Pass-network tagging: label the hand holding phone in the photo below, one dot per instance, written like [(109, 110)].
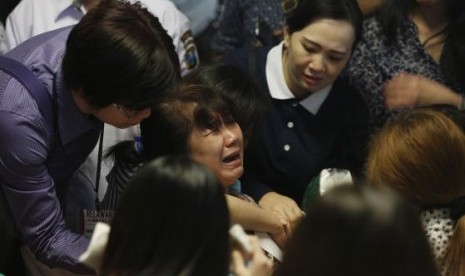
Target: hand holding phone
[(240, 239), (257, 264)]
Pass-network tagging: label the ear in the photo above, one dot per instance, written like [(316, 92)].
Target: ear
[(286, 36)]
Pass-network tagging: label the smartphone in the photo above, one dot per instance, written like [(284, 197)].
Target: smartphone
[(240, 239)]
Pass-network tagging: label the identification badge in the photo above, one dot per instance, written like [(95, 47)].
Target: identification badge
[(89, 219)]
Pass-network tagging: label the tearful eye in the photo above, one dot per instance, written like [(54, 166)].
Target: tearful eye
[(335, 58), (310, 50), (208, 131)]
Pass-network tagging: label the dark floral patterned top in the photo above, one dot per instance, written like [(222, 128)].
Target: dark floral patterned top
[(375, 61), (239, 20)]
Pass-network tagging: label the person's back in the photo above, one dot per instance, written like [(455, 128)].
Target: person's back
[(33, 17), (359, 231)]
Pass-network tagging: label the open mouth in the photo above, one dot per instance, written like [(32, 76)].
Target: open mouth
[(232, 158)]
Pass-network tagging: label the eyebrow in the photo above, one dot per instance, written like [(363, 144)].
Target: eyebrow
[(319, 45)]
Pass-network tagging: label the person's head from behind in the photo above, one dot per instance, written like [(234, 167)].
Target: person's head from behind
[(248, 103), (359, 231), (197, 122), (172, 220), (421, 156), (119, 62), (319, 37)]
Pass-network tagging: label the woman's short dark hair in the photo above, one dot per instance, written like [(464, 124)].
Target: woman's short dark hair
[(248, 103), (359, 230), (307, 11), (167, 130), (120, 53), (172, 220)]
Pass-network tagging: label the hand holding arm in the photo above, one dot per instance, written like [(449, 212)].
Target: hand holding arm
[(407, 90), (283, 206), (251, 217)]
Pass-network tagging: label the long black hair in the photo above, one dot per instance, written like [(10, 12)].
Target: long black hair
[(172, 220)]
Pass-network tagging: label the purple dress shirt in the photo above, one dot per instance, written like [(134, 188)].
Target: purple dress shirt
[(35, 164)]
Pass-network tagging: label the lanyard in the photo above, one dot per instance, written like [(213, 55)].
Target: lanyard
[(99, 167)]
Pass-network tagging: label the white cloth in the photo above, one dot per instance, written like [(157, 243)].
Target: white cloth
[(32, 17), (93, 256), (199, 12), (331, 178), (2, 36), (278, 87)]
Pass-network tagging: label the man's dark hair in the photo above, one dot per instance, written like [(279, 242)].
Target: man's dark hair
[(120, 53)]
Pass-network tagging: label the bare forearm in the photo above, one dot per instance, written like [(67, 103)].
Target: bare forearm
[(436, 93), (252, 217)]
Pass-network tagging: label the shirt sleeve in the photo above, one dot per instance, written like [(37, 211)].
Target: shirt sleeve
[(31, 195), (177, 26), (15, 31), (253, 187)]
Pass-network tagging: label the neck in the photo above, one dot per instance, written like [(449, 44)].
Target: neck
[(431, 18), (81, 103)]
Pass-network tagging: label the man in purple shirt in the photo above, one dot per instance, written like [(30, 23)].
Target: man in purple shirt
[(112, 67)]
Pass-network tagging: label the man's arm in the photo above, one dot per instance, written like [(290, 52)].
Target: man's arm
[(31, 195)]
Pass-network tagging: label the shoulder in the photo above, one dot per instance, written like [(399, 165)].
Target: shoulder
[(346, 93), (43, 54), (243, 55)]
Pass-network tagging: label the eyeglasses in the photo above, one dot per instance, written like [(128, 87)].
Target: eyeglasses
[(127, 113)]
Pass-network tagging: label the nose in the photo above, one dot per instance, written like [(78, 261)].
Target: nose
[(232, 136), (317, 65)]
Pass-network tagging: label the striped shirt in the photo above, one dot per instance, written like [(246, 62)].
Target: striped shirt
[(34, 165)]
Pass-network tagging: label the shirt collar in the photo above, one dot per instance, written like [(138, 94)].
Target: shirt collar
[(278, 87), (63, 7), (69, 112)]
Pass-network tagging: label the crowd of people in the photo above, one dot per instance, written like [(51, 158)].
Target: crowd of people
[(331, 131)]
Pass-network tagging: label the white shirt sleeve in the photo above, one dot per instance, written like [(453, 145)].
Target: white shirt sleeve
[(33, 17), (177, 26)]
